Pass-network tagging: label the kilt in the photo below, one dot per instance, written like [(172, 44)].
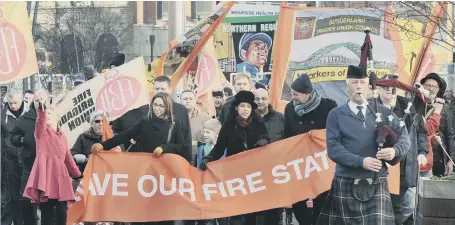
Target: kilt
[(342, 208)]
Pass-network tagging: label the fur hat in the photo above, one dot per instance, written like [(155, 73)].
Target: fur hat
[(245, 96), (213, 125)]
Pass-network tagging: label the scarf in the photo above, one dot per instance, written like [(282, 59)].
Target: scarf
[(304, 108), (243, 122), (18, 112), (206, 150)]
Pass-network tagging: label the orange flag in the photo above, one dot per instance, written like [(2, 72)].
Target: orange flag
[(108, 133)]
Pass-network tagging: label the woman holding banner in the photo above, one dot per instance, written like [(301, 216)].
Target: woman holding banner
[(243, 131), (157, 133)]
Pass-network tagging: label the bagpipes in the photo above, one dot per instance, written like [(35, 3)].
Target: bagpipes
[(364, 189)]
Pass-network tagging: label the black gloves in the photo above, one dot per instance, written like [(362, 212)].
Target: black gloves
[(78, 178), (203, 164), (262, 142), (42, 106)]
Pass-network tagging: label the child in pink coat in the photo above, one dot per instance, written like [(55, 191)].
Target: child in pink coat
[(49, 183)]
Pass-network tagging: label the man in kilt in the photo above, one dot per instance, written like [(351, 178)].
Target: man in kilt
[(352, 134)]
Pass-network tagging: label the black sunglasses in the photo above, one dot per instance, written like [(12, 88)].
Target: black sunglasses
[(99, 121)]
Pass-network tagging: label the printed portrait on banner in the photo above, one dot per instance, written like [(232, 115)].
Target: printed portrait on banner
[(244, 44)]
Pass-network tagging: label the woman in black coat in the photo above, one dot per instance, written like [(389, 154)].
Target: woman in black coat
[(156, 133), (244, 131)]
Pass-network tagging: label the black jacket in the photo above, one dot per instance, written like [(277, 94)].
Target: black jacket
[(232, 138), (419, 146), (152, 134), (84, 143), (83, 146), (314, 120), (225, 111), (25, 128), (445, 130), (8, 122), (274, 122), (128, 120), (452, 111), (181, 115)]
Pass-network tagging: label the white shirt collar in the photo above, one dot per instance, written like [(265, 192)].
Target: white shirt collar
[(353, 107)]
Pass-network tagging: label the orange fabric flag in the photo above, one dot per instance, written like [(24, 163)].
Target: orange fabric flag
[(108, 133)]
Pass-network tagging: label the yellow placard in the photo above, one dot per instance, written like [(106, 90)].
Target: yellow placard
[(321, 74), (17, 50)]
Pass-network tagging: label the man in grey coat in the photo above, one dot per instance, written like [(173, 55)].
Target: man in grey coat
[(352, 132)]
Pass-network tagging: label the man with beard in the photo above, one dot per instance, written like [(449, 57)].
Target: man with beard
[(12, 172), (352, 133), (218, 101), (242, 82), (436, 86), (307, 111), (274, 122), (416, 155), (254, 50), (23, 136)]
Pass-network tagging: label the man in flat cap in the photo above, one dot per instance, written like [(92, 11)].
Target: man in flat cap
[(254, 50), (359, 192), (307, 111)]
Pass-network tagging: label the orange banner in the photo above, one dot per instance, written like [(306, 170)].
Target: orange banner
[(17, 49), (289, 171), (174, 190)]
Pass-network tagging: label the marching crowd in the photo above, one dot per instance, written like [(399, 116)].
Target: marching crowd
[(37, 166)]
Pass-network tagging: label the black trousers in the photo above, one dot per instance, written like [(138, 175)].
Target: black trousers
[(309, 216), (6, 210), (397, 204), (11, 180), (273, 216), (246, 219), (51, 210), (154, 223), (29, 210)]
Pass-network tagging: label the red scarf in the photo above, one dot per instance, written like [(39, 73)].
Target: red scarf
[(243, 122)]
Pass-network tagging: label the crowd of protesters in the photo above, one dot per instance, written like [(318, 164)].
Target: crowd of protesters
[(37, 164)]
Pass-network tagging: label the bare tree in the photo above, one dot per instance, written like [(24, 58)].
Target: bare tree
[(410, 12), (86, 21)]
